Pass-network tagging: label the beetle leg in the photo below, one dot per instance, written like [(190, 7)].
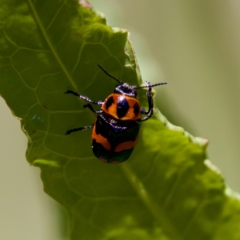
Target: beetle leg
[(144, 111), (91, 108), (147, 117), (79, 129), (149, 112), (100, 103)]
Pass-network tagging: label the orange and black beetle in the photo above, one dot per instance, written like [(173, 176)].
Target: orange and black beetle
[(115, 132)]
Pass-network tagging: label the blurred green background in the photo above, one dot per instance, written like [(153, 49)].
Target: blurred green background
[(193, 45)]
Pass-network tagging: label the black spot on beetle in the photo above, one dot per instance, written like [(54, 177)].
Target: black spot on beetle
[(136, 109), (122, 107), (109, 102)]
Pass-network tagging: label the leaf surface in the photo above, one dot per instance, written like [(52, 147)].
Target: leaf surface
[(166, 190)]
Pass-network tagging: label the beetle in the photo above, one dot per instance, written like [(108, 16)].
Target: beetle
[(115, 131)]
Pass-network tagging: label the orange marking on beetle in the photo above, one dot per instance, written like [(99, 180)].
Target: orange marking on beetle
[(125, 145), (112, 109), (105, 161), (100, 139)]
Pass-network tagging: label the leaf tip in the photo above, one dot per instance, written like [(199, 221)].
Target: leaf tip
[(85, 3)]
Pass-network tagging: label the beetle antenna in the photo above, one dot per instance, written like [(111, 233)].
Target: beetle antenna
[(109, 74), (153, 85)]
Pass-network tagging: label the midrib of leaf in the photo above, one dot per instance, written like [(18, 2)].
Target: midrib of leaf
[(51, 46), (152, 206)]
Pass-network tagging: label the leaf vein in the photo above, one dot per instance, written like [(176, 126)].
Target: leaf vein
[(51, 46)]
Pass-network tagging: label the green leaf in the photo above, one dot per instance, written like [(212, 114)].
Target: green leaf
[(168, 189)]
